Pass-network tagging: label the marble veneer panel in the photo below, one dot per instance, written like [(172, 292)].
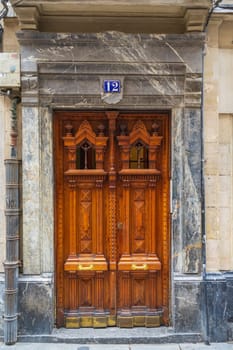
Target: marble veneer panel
[(37, 191), (46, 191), (186, 174), (36, 313), (112, 47), (177, 189), (217, 307), (192, 191), (31, 191), (188, 311)]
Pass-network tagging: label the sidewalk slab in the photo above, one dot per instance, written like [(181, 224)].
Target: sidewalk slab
[(212, 346), (197, 346), (64, 346), (155, 347)]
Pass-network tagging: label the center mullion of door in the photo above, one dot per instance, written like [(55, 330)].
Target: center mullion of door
[(112, 216)]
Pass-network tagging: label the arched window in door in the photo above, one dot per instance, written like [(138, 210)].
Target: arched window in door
[(85, 149), (139, 148)]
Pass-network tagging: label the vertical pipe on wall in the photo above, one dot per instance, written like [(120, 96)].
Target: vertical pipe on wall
[(12, 212), (203, 222)]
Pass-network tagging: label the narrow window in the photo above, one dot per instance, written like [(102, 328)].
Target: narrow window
[(85, 156), (138, 156)]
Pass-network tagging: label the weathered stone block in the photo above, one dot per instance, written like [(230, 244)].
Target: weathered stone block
[(36, 306), (216, 307), (188, 311)]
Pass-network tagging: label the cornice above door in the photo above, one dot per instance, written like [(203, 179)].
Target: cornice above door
[(117, 15)]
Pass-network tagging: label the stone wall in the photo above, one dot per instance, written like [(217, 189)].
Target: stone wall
[(218, 107), (218, 136)]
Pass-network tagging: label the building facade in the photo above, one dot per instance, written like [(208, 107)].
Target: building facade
[(124, 130)]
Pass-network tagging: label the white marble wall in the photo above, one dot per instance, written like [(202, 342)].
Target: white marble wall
[(46, 191), (37, 191), (31, 191)]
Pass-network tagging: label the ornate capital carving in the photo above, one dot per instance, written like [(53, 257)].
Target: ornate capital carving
[(72, 181), (29, 82)]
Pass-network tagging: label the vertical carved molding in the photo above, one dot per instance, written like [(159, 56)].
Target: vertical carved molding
[(99, 292), (152, 210), (165, 229), (72, 291), (59, 214), (126, 226), (70, 146), (152, 284), (84, 222), (112, 116), (112, 293), (72, 217), (126, 292), (99, 220)]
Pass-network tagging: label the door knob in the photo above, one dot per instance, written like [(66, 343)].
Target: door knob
[(120, 225)]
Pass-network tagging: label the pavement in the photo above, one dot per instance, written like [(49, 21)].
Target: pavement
[(63, 346)]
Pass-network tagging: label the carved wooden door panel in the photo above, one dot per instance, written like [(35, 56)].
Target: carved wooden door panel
[(112, 218)]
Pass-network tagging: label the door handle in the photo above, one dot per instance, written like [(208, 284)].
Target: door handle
[(85, 267), (139, 267)]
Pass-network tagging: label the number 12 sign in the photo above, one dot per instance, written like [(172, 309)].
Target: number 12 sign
[(112, 86)]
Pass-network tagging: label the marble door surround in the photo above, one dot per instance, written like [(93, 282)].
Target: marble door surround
[(66, 72)]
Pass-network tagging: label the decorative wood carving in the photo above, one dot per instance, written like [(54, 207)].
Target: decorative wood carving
[(112, 221), (84, 133), (139, 133)]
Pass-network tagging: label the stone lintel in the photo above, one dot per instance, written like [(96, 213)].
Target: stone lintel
[(110, 38)]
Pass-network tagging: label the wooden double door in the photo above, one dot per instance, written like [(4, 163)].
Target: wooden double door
[(111, 218)]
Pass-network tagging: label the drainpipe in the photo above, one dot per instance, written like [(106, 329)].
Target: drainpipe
[(12, 213)]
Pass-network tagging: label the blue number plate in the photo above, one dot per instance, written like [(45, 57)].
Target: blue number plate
[(112, 86)]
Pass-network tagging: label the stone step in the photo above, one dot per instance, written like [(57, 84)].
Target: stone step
[(114, 335)]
